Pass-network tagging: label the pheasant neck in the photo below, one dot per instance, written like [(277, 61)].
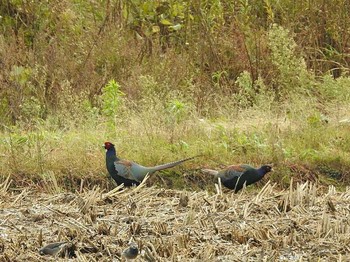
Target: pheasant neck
[(111, 154), (262, 172)]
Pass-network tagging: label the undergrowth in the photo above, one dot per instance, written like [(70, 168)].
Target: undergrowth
[(295, 119), (258, 135)]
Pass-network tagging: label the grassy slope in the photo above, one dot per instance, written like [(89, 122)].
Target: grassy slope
[(298, 144)]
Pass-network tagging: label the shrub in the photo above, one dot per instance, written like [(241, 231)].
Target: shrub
[(291, 74)]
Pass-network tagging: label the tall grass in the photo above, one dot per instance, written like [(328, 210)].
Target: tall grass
[(293, 133), (209, 79)]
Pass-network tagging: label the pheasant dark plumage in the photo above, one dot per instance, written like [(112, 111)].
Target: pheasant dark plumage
[(234, 177), (131, 252), (128, 172), (58, 249)]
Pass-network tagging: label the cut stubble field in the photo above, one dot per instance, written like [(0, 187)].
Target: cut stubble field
[(303, 223), (232, 82)]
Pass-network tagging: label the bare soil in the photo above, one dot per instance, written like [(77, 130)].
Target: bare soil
[(304, 223)]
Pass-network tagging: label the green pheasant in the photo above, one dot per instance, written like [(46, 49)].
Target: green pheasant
[(130, 173), (236, 176)]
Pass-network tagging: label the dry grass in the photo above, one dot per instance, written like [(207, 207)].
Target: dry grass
[(305, 223)]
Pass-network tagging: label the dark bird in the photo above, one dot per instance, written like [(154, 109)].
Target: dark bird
[(131, 252), (53, 248), (128, 172), (234, 177)]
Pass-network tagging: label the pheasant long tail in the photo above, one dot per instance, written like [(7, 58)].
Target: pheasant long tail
[(171, 164), (210, 172)]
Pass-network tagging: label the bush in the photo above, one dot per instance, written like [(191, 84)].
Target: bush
[(291, 74)]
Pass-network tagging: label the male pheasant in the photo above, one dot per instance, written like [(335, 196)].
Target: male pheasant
[(58, 248), (131, 252), (128, 172), (234, 177)]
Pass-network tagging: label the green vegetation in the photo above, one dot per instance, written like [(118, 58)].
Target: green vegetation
[(235, 81)]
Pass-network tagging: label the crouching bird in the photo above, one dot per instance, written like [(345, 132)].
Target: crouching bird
[(130, 252), (128, 172), (236, 176), (61, 249)]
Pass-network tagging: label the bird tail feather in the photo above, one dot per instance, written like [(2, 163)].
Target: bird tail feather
[(210, 172), (171, 164)]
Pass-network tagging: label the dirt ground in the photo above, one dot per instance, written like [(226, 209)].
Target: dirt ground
[(304, 223)]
